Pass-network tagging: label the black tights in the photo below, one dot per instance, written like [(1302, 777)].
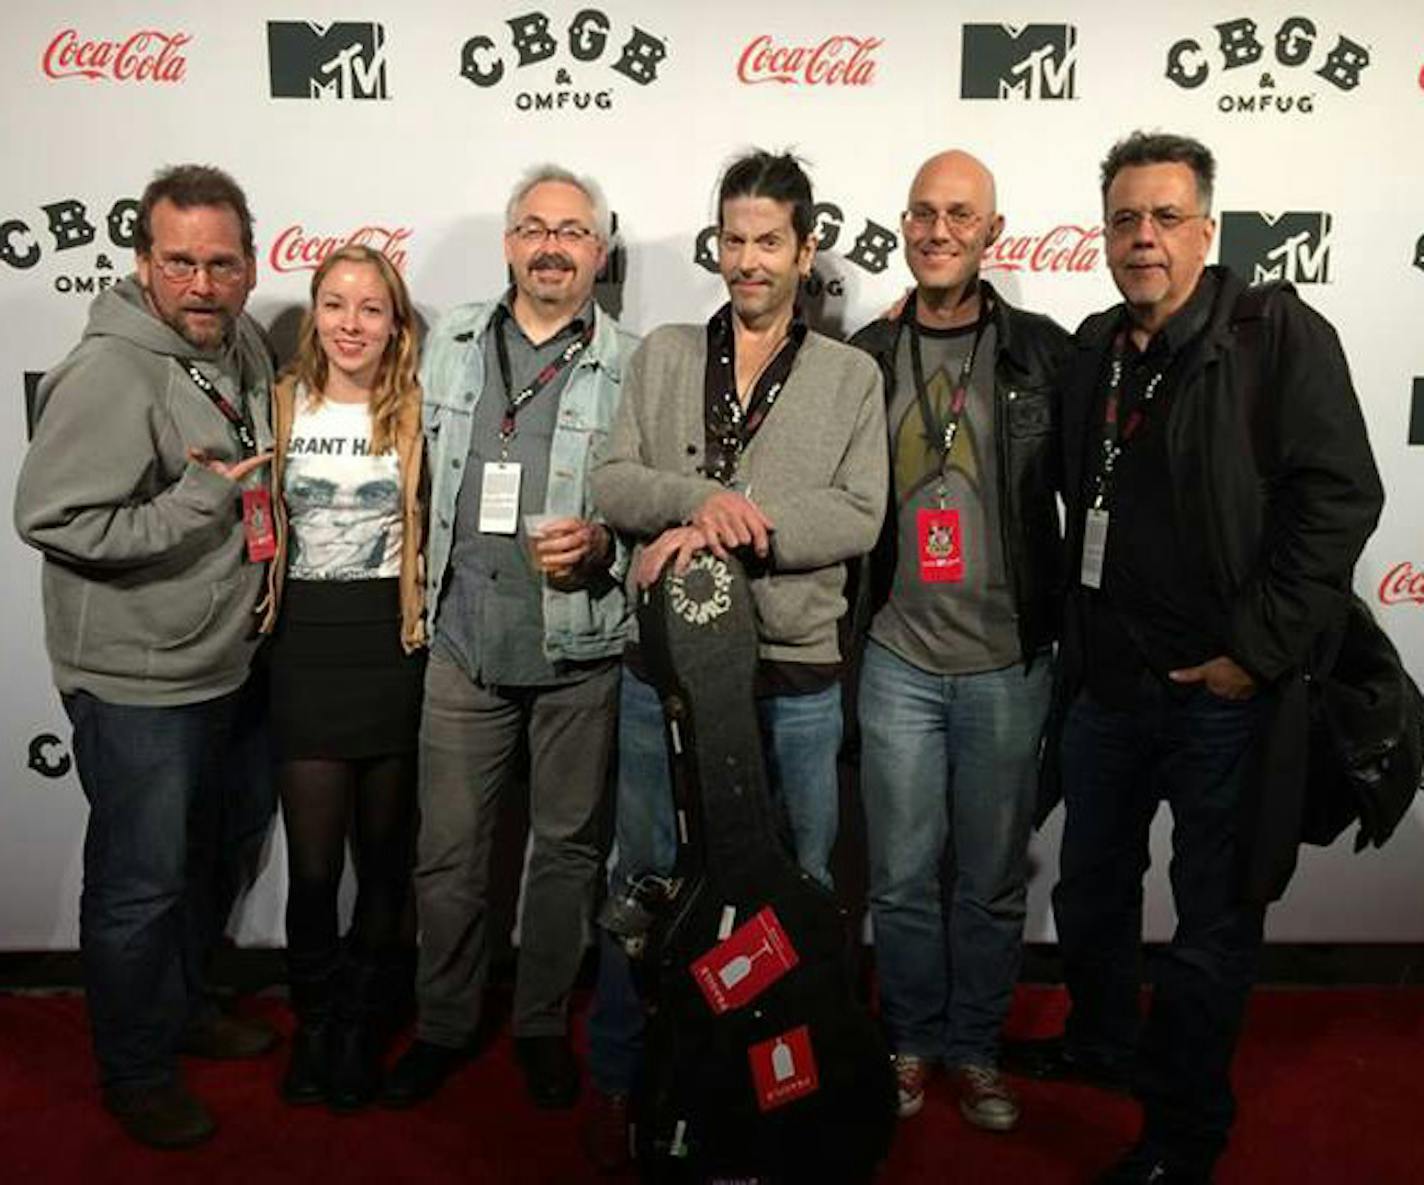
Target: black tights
[(322, 799)]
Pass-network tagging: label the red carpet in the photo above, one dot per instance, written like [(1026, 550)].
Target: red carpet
[(1331, 1083)]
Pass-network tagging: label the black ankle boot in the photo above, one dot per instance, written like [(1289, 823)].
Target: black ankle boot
[(308, 1075), (357, 1035), (312, 981), (355, 1065)]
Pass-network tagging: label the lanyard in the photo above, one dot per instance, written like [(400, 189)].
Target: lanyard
[(942, 433), (1120, 431), (730, 427), (513, 401), (230, 414)]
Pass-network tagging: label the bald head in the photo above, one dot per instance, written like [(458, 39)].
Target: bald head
[(965, 175), (950, 220)]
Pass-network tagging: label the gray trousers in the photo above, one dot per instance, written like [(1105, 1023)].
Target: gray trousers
[(469, 745)]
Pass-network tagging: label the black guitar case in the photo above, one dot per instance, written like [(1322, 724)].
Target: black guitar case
[(761, 1066)]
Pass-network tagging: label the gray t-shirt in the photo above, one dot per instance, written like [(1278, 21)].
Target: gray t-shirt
[(491, 621), (968, 626)]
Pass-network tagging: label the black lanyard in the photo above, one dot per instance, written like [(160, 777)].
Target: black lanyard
[(239, 421), (941, 433), (513, 400), (1118, 430), (730, 427)]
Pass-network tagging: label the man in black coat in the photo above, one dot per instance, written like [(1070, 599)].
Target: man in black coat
[(1219, 487)]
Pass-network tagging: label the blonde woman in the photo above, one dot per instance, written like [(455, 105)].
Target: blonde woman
[(346, 660)]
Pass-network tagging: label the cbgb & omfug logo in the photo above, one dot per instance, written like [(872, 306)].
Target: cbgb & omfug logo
[(1293, 246), (870, 250), (532, 40), (1239, 51), (69, 226)]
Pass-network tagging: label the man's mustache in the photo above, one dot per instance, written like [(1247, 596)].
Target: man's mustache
[(551, 259)]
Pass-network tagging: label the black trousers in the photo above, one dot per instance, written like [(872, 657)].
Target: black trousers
[(1118, 764)]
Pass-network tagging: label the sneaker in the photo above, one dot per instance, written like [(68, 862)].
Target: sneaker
[(606, 1134), (160, 1116), (985, 1099), (911, 1074), (228, 1038)]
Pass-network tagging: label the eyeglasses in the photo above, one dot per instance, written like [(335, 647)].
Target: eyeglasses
[(924, 219), (568, 234), (1165, 219), (220, 271)]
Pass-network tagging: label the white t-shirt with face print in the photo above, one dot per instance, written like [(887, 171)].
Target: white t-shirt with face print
[(343, 504)]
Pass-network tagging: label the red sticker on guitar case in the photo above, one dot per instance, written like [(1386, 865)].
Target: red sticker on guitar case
[(753, 957), (784, 1068)]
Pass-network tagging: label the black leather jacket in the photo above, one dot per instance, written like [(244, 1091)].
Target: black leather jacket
[(1030, 350)]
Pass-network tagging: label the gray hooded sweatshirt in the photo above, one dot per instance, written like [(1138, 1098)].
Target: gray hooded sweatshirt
[(148, 593)]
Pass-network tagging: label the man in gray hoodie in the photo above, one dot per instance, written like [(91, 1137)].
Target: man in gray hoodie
[(144, 488)]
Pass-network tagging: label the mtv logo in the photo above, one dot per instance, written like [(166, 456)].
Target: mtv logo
[(1293, 246), (1416, 413), (1027, 62), (32, 388), (343, 60)]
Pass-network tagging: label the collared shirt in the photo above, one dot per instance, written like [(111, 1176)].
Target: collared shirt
[(491, 623), (1156, 610)]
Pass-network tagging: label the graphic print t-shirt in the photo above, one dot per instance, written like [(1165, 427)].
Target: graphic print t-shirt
[(343, 504), (968, 627)]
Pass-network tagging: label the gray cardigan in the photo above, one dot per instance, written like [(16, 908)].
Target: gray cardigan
[(818, 468)]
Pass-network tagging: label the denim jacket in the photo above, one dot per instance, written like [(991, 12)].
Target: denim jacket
[(579, 626)]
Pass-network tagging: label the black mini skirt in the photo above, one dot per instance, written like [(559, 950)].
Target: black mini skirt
[(342, 686)]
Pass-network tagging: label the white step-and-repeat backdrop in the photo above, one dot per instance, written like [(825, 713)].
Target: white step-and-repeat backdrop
[(403, 125)]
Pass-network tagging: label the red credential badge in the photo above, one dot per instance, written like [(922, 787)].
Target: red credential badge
[(784, 1068), (751, 958), (257, 524), (941, 545)]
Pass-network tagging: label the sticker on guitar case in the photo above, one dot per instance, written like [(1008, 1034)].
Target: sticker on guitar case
[(784, 1068), (752, 958)]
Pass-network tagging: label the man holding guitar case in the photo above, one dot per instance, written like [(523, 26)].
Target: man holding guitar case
[(750, 432)]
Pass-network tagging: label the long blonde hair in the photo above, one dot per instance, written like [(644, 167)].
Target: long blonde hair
[(396, 384)]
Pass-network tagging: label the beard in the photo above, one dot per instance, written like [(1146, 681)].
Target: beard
[(211, 332)]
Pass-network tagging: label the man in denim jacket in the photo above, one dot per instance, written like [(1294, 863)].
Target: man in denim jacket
[(527, 619)]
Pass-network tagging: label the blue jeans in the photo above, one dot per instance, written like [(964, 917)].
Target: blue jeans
[(948, 761), (801, 735), (1118, 764), (180, 801)]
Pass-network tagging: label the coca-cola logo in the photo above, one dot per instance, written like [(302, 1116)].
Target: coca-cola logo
[(1401, 584), (146, 56), (837, 61), (1067, 248), (294, 250)]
